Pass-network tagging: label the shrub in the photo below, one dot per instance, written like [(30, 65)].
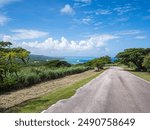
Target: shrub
[(32, 79), (57, 63), (32, 75), (146, 62)]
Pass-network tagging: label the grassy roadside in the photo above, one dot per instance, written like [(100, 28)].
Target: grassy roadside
[(41, 103), (143, 75)]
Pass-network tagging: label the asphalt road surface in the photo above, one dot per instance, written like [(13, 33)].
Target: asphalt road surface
[(114, 91)]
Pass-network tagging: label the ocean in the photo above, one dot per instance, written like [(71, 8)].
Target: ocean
[(77, 60)]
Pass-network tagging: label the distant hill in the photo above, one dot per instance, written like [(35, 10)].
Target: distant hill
[(42, 58)]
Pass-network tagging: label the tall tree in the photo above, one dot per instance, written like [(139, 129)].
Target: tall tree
[(99, 63), (146, 62), (10, 59), (133, 55)]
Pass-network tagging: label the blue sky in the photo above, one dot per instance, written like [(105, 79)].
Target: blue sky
[(75, 27)]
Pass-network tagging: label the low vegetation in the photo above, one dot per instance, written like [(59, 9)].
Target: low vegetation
[(32, 75), (16, 73), (144, 75), (41, 103)]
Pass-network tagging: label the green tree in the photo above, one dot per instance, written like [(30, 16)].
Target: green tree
[(22, 54), (57, 63), (134, 56), (10, 59), (99, 63), (146, 62)]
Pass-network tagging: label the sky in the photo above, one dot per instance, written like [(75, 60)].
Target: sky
[(90, 28)]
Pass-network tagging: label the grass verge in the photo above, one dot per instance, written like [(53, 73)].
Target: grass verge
[(41, 103), (143, 75)]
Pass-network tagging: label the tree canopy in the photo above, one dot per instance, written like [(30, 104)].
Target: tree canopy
[(99, 62), (57, 63), (10, 58), (134, 56), (146, 62)]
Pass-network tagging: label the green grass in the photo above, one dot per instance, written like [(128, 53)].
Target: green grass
[(43, 102), (143, 75)]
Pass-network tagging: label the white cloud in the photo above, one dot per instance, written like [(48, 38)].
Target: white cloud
[(123, 10), (84, 1), (67, 9), (103, 12), (65, 45), (122, 19), (128, 32), (98, 24), (3, 20), (25, 34), (86, 20), (107, 50), (140, 37), (81, 3), (5, 2), (7, 38)]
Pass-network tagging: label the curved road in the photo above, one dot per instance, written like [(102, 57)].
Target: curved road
[(113, 91)]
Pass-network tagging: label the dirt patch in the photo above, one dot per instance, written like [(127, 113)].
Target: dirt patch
[(14, 98)]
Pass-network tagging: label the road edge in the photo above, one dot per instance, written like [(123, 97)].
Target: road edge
[(139, 77), (75, 92)]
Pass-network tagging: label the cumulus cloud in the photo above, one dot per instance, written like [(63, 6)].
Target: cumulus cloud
[(67, 9), (51, 44), (3, 20), (24, 34)]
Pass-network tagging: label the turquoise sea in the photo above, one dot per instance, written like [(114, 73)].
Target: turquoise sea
[(77, 60)]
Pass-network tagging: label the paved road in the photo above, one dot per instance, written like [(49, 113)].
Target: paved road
[(115, 90)]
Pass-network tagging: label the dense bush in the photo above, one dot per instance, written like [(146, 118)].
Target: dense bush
[(32, 75), (11, 60), (57, 63), (146, 62), (133, 57)]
